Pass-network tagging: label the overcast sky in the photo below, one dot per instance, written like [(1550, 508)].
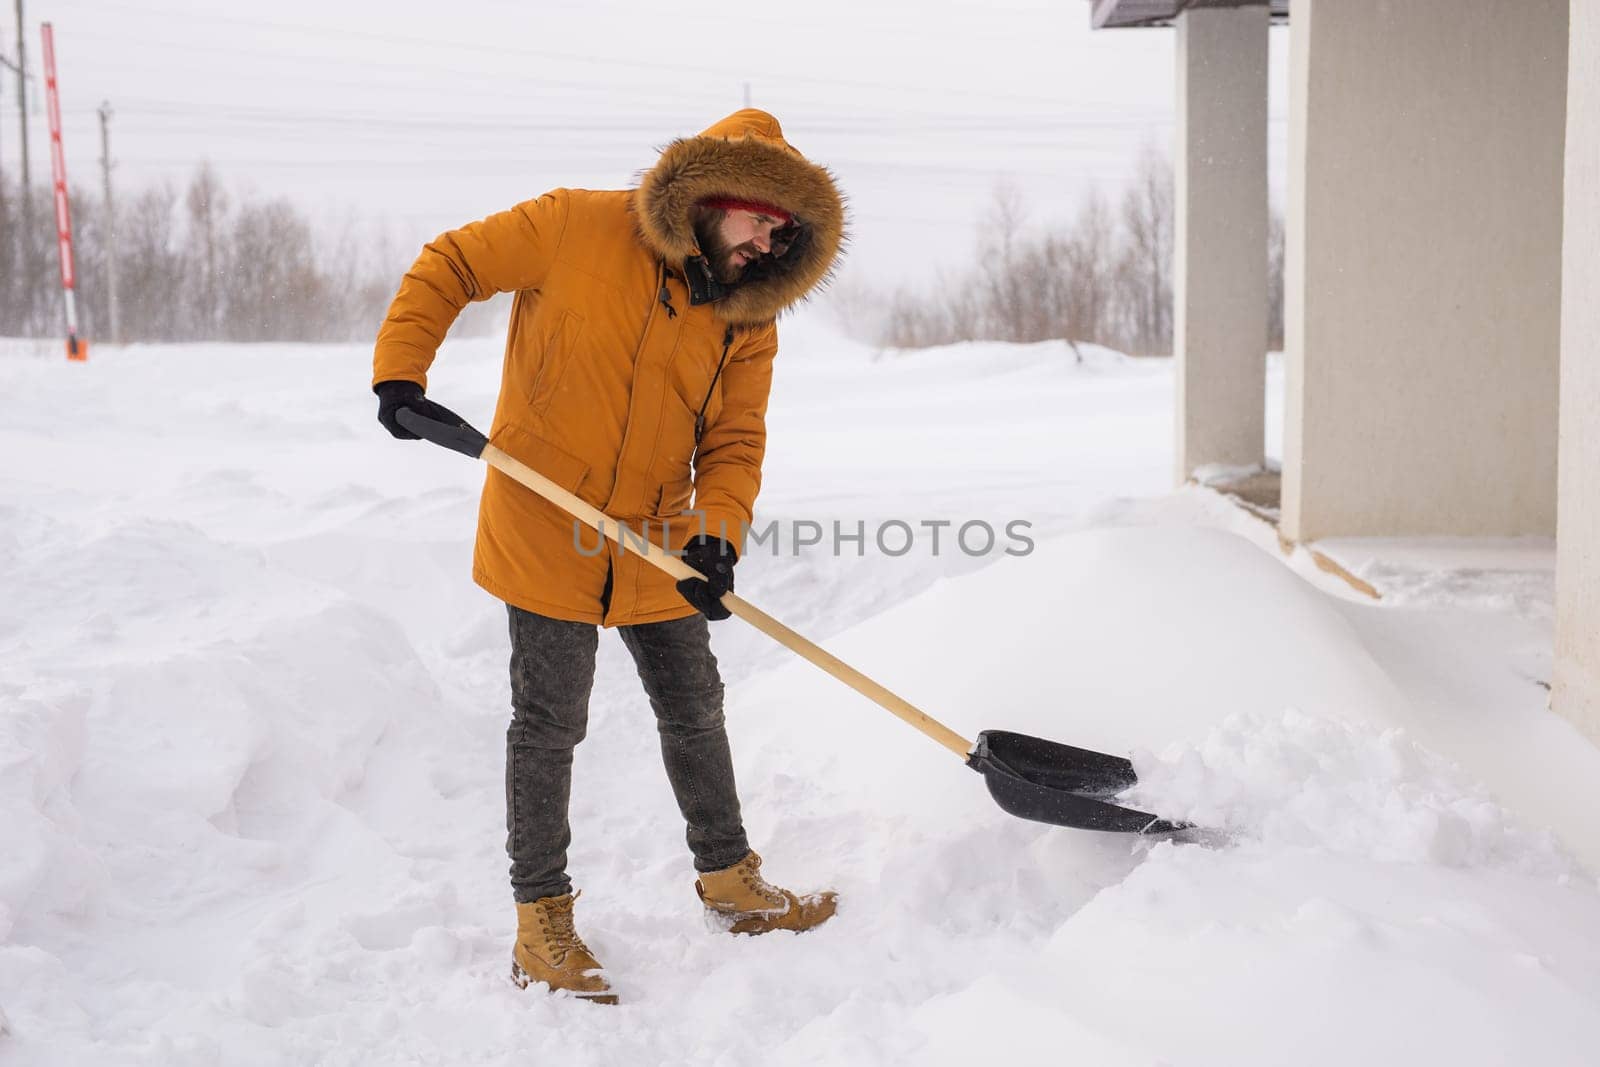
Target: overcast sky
[(425, 114)]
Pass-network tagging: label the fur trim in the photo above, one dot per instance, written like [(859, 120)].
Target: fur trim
[(744, 157)]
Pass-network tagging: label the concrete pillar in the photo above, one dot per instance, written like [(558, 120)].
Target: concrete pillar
[(1423, 277), (1576, 689), (1220, 284)]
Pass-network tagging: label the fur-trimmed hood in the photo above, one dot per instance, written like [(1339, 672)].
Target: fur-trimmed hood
[(745, 157)]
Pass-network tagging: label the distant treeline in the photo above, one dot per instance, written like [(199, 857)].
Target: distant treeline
[(1106, 278), (199, 264), (205, 263)]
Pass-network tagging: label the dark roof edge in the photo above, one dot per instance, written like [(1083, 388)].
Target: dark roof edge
[(1139, 14)]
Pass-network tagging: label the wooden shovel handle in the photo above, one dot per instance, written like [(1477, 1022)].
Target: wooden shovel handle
[(606, 526), (889, 701)]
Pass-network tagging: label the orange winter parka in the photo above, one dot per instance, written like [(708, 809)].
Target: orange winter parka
[(613, 348)]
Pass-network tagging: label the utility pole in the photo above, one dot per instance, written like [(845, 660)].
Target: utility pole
[(3, 63), (10, 260), (111, 220), (22, 121), (25, 259), (15, 68)]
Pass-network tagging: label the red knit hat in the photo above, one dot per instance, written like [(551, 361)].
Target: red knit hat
[(728, 203)]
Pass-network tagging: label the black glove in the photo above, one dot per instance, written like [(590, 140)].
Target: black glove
[(714, 558), (396, 395)]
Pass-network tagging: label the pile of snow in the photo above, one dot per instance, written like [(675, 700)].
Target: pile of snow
[(1297, 781), (252, 722)]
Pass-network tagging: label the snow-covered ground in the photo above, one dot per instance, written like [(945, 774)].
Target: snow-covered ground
[(252, 715)]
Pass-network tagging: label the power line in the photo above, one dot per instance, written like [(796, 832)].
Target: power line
[(856, 123), (767, 75), (319, 65), (854, 169), (685, 97)]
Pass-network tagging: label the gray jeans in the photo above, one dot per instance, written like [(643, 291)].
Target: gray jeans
[(552, 674)]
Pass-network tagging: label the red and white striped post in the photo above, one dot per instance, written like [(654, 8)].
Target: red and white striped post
[(77, 348)]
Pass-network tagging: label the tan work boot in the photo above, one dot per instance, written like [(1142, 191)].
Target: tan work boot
[(549, 950), (747, 903)]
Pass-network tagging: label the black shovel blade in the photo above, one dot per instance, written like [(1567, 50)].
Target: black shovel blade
[(1041, 780)]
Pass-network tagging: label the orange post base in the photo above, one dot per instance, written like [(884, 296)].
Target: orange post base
[(78, 349)]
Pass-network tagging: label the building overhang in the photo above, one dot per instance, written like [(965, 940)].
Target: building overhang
[(1134, 14)]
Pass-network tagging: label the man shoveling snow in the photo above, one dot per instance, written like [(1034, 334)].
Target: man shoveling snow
[(637, 371)]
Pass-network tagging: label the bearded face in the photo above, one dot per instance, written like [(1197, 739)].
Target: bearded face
[(728, 259), (741, 244)]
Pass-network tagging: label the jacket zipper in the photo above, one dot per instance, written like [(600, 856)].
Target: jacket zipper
[(700, 416), (650, 317)]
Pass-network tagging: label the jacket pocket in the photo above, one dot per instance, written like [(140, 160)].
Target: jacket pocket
[(673, 498), (552, 461), (560, 349)]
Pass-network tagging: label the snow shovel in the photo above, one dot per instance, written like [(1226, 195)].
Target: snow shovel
[(1028, 776)]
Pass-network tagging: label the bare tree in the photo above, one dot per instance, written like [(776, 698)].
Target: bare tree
[(912, 322), (1106, 278), (90, 246), (999, 238), (197, 267), (207, 206), (272, 272), (1089, 253), (31, 288), (153, 296), (8, 261), (1148, 209)]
